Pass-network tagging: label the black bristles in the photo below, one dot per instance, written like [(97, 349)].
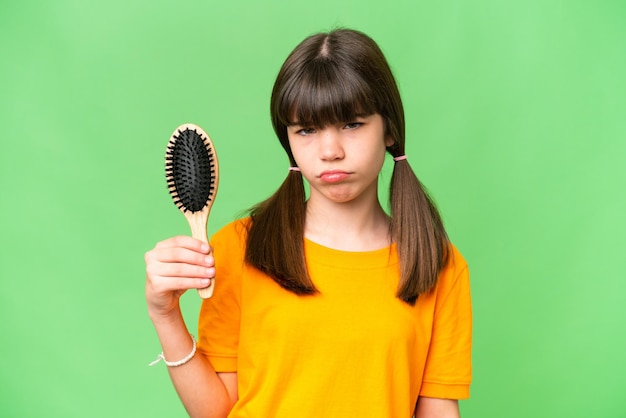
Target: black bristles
[(190, 170)]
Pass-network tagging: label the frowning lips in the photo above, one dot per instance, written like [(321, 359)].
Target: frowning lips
[(334, 176)]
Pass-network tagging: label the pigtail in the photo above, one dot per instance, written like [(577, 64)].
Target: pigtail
[(328, 78), (418, 231), (275, 243)]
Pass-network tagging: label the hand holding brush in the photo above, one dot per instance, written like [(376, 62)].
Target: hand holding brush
[(192, 174)]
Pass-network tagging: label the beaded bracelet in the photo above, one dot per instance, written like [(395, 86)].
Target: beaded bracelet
[(179, 362)]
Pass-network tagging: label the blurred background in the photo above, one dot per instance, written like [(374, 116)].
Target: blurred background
[(515, 123)]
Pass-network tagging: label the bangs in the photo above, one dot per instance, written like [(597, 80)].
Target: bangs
[(324, 93)]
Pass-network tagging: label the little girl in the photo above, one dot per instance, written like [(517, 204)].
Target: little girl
[(326, 306)]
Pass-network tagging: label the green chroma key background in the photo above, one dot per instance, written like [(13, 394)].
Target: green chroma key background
[(515, 122)]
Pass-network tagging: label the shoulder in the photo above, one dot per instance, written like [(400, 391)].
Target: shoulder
[(455, 274), (456, 261), (233, 232), (448, 371), (229, 243)]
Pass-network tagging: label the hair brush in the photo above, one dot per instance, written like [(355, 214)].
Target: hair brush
[(192, 174)]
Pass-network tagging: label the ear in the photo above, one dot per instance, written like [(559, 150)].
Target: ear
[(389, 141)]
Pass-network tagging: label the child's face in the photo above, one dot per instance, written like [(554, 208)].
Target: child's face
[(342, 161)]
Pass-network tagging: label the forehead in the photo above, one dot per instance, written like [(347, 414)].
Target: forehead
[(326, 102)]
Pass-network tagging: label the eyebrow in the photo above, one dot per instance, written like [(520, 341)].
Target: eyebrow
[(356, 116)]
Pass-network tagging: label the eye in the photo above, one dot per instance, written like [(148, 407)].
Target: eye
[(353, 125), (305, 131)]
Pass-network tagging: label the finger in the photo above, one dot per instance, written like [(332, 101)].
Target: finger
[(178, 284), (180, 255), (185, 241), (180, 270)]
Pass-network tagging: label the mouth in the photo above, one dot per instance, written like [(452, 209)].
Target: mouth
[(334, 176)]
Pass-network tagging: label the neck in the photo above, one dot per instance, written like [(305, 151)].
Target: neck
[(352, 226)]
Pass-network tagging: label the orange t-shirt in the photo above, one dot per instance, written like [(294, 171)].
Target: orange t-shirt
[(355, 349)]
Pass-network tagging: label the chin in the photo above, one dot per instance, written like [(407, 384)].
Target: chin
[(342, 197)]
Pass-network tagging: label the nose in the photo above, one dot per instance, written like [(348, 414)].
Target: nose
[(330, 145)]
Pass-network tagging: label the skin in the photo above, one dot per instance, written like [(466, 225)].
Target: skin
[(172, 267), (437, 408), (341, 162)]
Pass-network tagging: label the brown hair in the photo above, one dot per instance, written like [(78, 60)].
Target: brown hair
[(328, 78)]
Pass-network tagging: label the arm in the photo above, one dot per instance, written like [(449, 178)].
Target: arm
[(172, 267), (437, 408), (448, 371)]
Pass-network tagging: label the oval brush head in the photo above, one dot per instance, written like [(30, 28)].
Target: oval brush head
[(190, 168), (192, 173)]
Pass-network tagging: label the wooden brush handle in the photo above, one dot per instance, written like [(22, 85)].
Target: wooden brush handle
[(198, 223)]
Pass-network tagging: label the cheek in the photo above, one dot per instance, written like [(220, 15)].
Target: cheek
[(381, 162), (295, 152), (293, 146), (299, 154), (380, 155)]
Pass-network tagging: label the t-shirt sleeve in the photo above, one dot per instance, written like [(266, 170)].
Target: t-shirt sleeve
[(448, 371), (218, 324)]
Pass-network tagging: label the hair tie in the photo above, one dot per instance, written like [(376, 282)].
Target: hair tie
[(294, 169), (400, 158)]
